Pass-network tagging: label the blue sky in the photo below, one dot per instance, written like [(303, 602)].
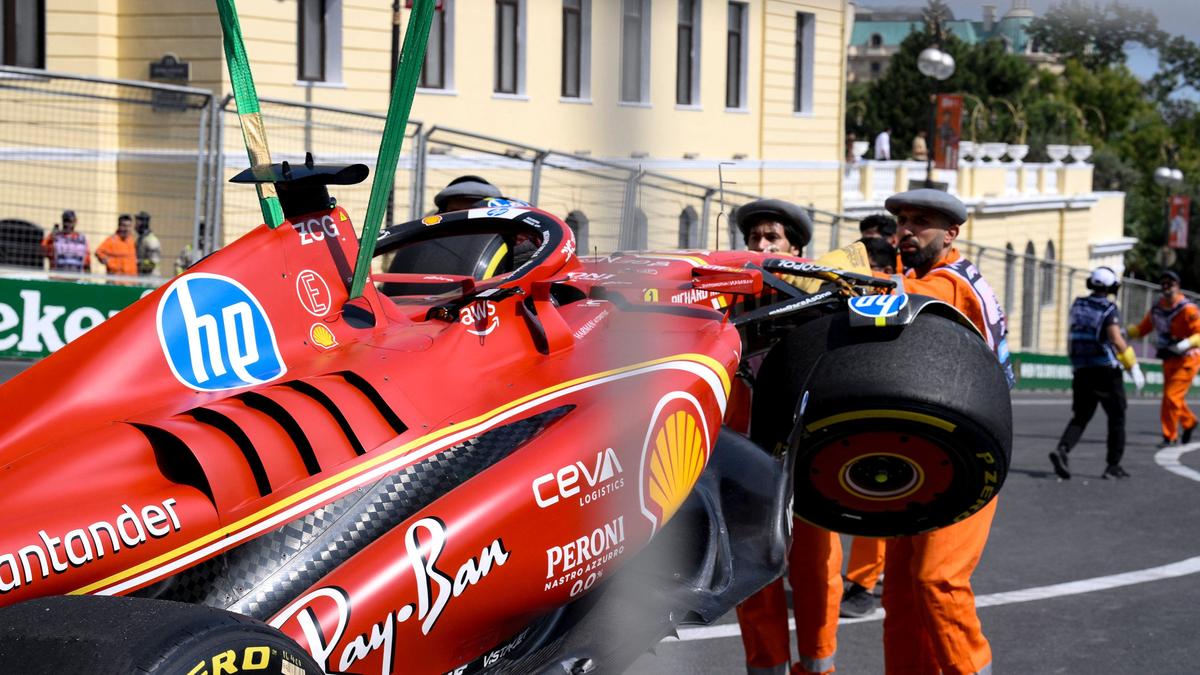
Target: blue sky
[(1181, 17)]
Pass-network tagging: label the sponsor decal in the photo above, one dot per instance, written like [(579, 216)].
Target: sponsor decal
[(720, 268), (650, 295), (424, 542), (315, 230), (590, 325), (674, 454), (506, 202), (589, 276), (603, 478), (690, 296), (878, 306), (321, 336), (215, 334), (437, 277), (431, 220), (313, 293), (56, 555), (481, 317), (585, 555), (568, 248), (493, 657), (808, 268), (803, 302)]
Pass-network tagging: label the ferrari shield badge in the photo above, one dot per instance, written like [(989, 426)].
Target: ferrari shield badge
[(215, 334)]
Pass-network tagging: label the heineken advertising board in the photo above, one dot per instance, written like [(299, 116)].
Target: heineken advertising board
[(1046, 371), (38, 317)]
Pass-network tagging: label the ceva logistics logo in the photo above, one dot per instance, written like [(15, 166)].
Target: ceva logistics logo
[(216, 335)]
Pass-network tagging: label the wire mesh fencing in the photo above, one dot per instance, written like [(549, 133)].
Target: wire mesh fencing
[(78, 152)]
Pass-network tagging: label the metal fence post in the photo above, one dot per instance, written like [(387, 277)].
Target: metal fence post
[(705, 214), (834, 235), (535, 177), (202, 163), (419, 175)]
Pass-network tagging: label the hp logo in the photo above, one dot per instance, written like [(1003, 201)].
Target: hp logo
[(216, 335), (878, 306)]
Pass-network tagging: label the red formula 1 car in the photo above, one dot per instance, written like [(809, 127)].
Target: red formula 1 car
[(520, 474)]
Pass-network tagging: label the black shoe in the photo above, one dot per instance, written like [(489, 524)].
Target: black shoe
[(1187, 434), (1059, 459), (1115, 472), (857, 602), (1166, 443)]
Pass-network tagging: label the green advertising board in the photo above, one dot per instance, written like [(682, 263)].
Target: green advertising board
[(38, 317), (1050, 372)]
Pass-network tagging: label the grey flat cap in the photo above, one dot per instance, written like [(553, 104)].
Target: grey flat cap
[(465, 186), (796, 224), (928, 198)]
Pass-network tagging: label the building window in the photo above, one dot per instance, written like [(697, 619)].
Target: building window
[(438, 73), (805, 37), (510, 47), (687, 53), (1048, 266), (577, 49), (319, 41), (1029, 297), (876, 68), (735, 57), (876, 40), (689, 228), (635, 51), (23, 39)]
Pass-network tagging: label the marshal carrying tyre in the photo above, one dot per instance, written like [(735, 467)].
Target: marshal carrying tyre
[(90, 634), (897, 430)]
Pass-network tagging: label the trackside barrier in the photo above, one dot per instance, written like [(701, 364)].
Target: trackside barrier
[(1051, 372), (38, 317)]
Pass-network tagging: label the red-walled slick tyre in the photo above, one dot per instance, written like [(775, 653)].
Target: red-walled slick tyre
[(897, 430)]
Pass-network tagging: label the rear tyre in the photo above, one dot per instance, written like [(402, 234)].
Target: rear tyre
[(897, 431), (88, 634)]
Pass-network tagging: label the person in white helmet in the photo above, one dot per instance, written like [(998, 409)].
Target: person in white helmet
[(1098, 352)]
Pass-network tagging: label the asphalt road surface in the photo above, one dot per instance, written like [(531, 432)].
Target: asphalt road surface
[(1082, 576)]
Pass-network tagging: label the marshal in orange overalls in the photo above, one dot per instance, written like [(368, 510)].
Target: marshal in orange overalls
[(1174, 321), (930, 624)]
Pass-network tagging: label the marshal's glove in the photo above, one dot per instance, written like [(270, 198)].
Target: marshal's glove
[(1129, 360), (1132, 331), (1186, 344)]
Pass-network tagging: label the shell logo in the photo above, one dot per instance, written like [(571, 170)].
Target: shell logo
[(431, 220), (321, 336), (675, 452)]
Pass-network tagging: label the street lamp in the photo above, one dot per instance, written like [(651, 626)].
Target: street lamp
[(935, 63), (1168, 177)]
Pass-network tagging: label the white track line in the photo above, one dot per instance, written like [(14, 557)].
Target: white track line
[(1167, 458)]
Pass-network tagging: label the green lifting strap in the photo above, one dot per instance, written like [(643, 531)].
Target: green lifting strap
[(254, 132), (412, 57)]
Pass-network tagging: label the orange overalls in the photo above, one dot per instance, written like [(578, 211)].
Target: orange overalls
[(1173, 322), (866, 561), (930, 623)]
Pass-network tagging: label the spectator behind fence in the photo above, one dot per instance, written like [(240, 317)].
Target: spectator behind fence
[(190, 255), (149, 249), (66, 249), (883, 145), (920, 149), (118, 253)]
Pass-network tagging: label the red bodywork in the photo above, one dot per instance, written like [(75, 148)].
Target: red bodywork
[(118, 472)]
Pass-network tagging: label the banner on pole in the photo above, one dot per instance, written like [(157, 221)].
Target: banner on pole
[(1177, 221), (947, 131)]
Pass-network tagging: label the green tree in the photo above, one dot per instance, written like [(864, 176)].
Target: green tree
[(1095, 36)]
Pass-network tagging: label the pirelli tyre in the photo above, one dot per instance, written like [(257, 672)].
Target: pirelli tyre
[(89, 634), (897, 430)]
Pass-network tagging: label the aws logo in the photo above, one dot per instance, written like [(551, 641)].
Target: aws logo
[(675, 452), (216, 335)]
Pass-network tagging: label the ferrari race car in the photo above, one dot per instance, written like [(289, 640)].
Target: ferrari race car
[(546, 470)]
